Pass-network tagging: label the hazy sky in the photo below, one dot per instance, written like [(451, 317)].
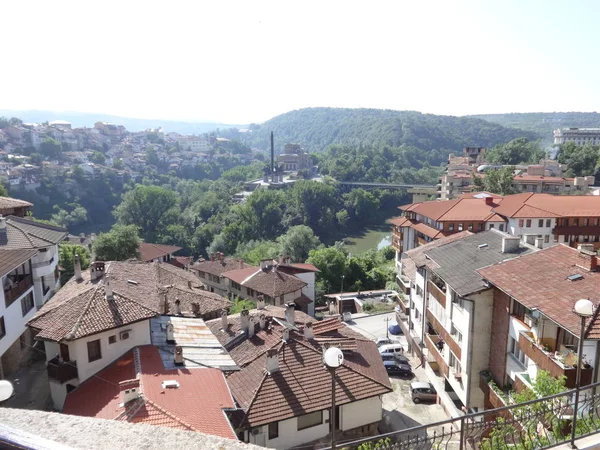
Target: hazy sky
[(248, 61)]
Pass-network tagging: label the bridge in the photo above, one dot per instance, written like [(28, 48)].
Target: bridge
[(376, 185)]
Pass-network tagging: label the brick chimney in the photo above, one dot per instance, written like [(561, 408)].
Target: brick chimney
[(290, 309), (272, 361), (77, 267), (489, 201), (587, 258), (262, 320), (244, 320), (108, 288), (308, 331), (251, 326), (96, 270), (130, 390)]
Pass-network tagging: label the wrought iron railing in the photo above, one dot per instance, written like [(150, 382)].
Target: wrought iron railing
[(537, 424)]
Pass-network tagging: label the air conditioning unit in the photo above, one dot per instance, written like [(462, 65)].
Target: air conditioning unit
[(124, 334), (255, 431)]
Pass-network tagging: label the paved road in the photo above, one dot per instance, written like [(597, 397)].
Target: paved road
[(375, 326)]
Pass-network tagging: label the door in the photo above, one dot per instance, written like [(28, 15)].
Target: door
[(64, 352), (259, 438)]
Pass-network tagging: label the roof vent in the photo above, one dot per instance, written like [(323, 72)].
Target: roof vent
[(170, 384), (480, 246), (133, 282), (575, 277)]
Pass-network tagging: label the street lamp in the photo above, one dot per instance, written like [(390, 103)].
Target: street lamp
[(333, 358), (583, 308), (342, 289)]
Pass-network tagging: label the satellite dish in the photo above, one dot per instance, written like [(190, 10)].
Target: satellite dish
[(333, 357), (6, 390)]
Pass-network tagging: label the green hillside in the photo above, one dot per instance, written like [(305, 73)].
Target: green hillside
[(316, 128), (544, 123)]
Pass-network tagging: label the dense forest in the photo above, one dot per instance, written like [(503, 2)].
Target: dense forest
[(317, 128), (543, 124)]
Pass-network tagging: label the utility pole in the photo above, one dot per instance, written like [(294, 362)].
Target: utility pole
[(387, 328)]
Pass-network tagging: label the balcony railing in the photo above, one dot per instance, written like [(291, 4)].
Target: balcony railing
[(444, 334), (43, 263), (437, 293), (431, 343), (22, 284), (551, 363), (62, 371), (537, 424)]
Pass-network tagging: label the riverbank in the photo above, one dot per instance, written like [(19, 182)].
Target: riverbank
[(371, 238)]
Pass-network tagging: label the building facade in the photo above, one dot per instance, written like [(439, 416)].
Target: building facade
[(579, 136)]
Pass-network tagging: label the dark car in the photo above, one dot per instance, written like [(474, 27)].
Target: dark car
[(397, 368), (398, 358)]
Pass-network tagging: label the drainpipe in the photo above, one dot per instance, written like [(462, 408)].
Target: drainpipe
[(423, 319), (470, 353)]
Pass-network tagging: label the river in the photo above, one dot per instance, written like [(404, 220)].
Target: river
[(372, 238)]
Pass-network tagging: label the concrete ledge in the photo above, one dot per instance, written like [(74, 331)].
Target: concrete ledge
[(587, 443)]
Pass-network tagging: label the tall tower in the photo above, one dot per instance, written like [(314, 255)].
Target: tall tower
[(272, 158)]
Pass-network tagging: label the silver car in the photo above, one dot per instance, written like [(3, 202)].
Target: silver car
[(422, 391)]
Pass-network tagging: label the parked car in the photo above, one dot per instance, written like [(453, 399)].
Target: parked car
[(384, 341), (422, 391), (394, 328), (392, 348), (397, 368), (395, 357)]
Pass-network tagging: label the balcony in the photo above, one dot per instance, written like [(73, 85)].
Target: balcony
[(437, 293), (21, 284), (443, 333), (553, 363), (62, 371), (430, 341)]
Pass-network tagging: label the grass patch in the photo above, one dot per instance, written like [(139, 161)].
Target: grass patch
[(378, 308)]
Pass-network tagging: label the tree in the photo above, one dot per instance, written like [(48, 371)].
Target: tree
[(98, 158), (517, 151), (497, 181), (36, 159), (120, 243), (66, 253), (3, 191), (239, 304), (332, 265), (298, 242), (254, 251), (150, 208), (50, 148), (118, 164)]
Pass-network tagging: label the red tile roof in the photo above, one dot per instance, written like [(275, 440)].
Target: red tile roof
[(303, 266), (197, 404), (271, 282), (546, 205), (217, 267), (150, 252), (539, 280), (474, 209)]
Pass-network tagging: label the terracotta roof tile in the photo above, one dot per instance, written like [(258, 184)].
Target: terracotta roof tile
[(539, 280), (27, 234), (11, 259), (475, 209), (180, 408), (9, 203), (271, 282), (218, 267), (548, 205), (149, 251)]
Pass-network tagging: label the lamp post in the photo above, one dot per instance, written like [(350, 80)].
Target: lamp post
[(342, 288), (333, 358), (583, 308)]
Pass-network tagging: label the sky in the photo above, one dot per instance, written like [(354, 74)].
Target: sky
[(247, 61)]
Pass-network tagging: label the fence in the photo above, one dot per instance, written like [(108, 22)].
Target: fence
[(537, 424)]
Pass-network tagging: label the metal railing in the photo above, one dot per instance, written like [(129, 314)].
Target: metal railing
[(537, 424)]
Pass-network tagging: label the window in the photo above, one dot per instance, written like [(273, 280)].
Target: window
[(273, 430), (515, 350), (480, 227), (556, 238), (310, 420), (528, 223), (585, 222), (491, 226), (470, 227), (501, 227), (45, 288), (457, 334), (451, 227), (546, 239), (112, 339), (455, 363), (201, 274), (281, 299), (94, 352), (518, 310), (235, 285), (27, 303), (460, 227), (521, 223), (576, 222), (2, 327), (541, 223), (548, 223), (596, 222)]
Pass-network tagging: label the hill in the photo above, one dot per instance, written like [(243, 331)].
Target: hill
[(316, 128), (78, 119), (544, 123)]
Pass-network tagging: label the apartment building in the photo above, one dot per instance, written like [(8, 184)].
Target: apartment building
[(579, 136), (451, 309), (534, 326)]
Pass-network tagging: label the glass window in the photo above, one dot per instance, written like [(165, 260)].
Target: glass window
[(470, 227), (451, 227), (528, 223), (548, 223), (480, 227), (546, 239), (576, 222), (273, 430), (112, 339), (2, 327), (566, 238), (94, 351), (501, 227), (27, 303), (310, 420), (585, 222), (460, 227), (491, 226), (596, 222), (541, 223), (521, 222)]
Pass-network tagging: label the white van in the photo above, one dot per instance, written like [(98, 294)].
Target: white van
[(391, 349)]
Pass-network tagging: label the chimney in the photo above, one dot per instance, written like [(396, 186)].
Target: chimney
[(195, 308), (212, 256), (96, 270), (308, 331), (539, 242), (285, 334), (130, 390), (178, 354), (241, 263), (280, 259), (587, 258), (189, 284), (77, 267), (177, 307), (260, 302), (290, 309), (161, 302), (170, 333), (510, 244), (272, 361), (266, 264), (224, 319), (530, 239), (244, 319), (2, 223), (251, 326), (262, 321), (489, 201), (108, 288)]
